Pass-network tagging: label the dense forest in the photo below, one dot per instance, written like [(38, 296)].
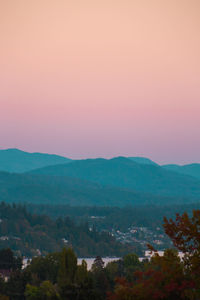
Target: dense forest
[(31, 234), (57, 276), (107, 231), (132, 224), (120, 218)]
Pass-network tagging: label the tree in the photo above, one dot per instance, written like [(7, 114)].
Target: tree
[(100, 279), (33, 292), (67, 268), (113, 271), (81, 273), (164, 279), (84, 283), (184, 232), (8, 261), (169, 277), (16, 284), (45, 268), (98, 264), (48, 291), (67, 273), (131, 264)]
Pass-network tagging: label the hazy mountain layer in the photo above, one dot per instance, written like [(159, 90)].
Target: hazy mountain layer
[(191, 169), (125, 173), (17, 161), (65, 190), (142, 160)]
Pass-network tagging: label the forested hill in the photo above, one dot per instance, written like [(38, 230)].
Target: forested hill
[(125, 173), (25, 188), (109, 218), (17, 161), (142, 160), (190, 169), (30, 235), (103, 182)]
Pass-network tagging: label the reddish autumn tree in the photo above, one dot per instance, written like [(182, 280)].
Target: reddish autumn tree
[(184, 232), (163, 279), (169, 277)]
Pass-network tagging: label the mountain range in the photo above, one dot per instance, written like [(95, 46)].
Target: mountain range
[(17, 161), (125, 173), (190, 169), (45, 189), (119, 181)]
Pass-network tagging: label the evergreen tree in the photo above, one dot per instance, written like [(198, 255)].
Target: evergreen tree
[(67, 273), (98, 264)]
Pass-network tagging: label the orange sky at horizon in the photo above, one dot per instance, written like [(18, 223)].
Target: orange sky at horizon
[(101, 78)]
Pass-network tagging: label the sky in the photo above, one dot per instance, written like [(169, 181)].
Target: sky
[(101, 78)]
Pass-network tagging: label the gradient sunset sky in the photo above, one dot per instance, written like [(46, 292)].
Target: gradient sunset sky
[(101, 78)]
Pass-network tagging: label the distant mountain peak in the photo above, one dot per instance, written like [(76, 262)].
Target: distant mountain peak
[(189, 169), (120, 158), (142, 160), (12, 150), (17, 161)]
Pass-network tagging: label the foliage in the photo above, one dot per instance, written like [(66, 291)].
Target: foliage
[(30, 234), (185, 234), (118, 218), (45, 268), (98, 264), (68, 268), (3, 297), (32, 292), (8, 261), (46, 291), (57, 276), (168, 277)]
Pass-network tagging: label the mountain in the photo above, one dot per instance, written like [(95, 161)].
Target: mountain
[(44, 189), (190, 169), (142, 160), (17, 161), (125, 173)]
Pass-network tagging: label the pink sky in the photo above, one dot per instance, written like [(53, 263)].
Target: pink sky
[(94, 78)]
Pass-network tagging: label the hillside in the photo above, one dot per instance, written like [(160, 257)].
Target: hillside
[(33, 234), (142, 160), (125, 173), (26, 188), (17, 161), (190, 169), (120, 218)]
